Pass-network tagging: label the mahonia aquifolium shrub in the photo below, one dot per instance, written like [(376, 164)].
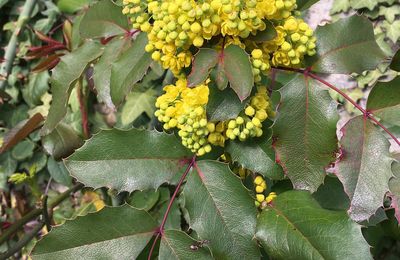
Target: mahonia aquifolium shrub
[(177, 28)]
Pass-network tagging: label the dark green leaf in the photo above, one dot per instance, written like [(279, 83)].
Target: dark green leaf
[(102, 69), (223, 105), (395, 65), (238, 70), (303, 5), (120, 232), (177, 245), (23, 150), (144, 200), (58, 171), (365, 167), (71, 6), (61, 142), (331, 195), (384, 101), (221, 210), (138, 103), (218, 76), (305, 132), (37, 86), (129, 69), (204, 60), (256, 155), (262, 36), (128, 160), (296, 227), (103, 19), (8, 165), (352, 49), (63, 80)]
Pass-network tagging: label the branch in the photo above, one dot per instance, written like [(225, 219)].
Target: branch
[(35, 213), (11, 49), (160, 230), (367, 114), (82, 106)]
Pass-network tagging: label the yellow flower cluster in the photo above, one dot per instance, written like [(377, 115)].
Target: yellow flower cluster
[(260, 187), (184, 108), (174, 26)]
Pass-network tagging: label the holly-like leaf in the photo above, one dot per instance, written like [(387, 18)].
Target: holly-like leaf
[(138, 103), (128, 70), (221, 211), (103, 19), (120, 231), (365, 167), (177, 245), (296, 227), (331, 195), (20, 131), (392, 30), (218, 76), (395, 65), (63, 80), (61, 142), (223, 105), (128, 160), (257, 155), (305, 132), (268, 34), (303, 5), (359, 4), (58, 171), (238, 70), (102, 69), (204, 60), (346, 52), (339, 6), (394, 186), (384, 101)]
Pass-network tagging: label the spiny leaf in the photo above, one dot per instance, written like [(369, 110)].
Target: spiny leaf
[(346, 52), (176, 244), (384, 101), (365, 167), (238, 70), (223, 105), (204, 60), (305, 132), (63, 80), (128, 160), (221, 211), (138, 103), (120, 231), (128, 70), (359, 4), (296, 227), (103, 19)]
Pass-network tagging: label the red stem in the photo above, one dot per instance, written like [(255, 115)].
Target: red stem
[(160, 230), (84, 114), (367, 114)]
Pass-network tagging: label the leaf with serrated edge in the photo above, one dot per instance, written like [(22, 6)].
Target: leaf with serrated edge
[(114, 231), (176, 244), (238, 70), (365, 167), (128, 160), (296, 227), (221, 210), (384, 101), (346, 52), (223, 105), (63, 79), (305, 132), (103, 19), (128, 70), (136, 104), (204, 60)]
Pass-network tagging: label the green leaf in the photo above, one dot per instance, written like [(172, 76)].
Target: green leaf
[(71, 6), (36, 88), (129, 69), (346, 51), (305, 132), (303, 5), (103, 19), (23, 150), (102, 69), (339, 6), (218, 76), (223, 105), (204, 60), (128, 160), (120, 231), (8, 165), (221, 210), (238, 70), (144, 200), (262, 36), (384, 101), (176, 244), (359, 4), (257, 155), (394, 187), (365, 167), (65, 74), (61, 142), (58, 171), (392, 30), (331, 195), (296, 227), (395, 65), (138, 103)]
